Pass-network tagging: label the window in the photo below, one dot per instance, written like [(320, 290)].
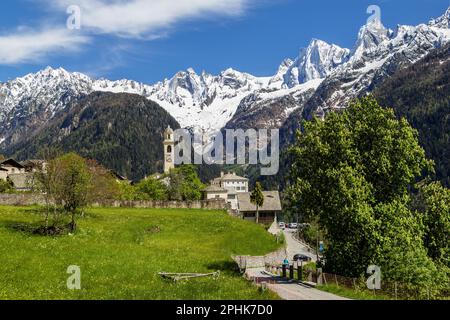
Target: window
[(169, 149)]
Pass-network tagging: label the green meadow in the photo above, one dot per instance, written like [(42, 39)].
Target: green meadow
[(121, 251)]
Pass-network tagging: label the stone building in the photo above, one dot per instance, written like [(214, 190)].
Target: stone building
[(17, 173), (227, 186), (12, 166), (235, 190), (267, 213)]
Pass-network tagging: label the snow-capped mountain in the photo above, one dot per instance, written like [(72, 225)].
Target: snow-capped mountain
[(204, 101), (28, 102), (317, 61), (378, 53), (323, 77)]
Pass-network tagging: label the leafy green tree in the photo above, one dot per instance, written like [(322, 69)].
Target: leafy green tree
[(435, 212), (152, 189), (185, 184), (257, 198), (73, 184), (192, 186), (175, 186), (128, 192), (352, 172)]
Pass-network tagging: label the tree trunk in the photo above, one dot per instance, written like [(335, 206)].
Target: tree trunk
[(47, 213), (73, 225), (257, 214)]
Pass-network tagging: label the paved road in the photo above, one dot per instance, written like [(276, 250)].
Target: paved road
[(289, 290), (295, 247), (294, 291)]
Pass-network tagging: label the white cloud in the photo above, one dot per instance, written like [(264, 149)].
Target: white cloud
[(26, 46), (144, 19), (148, 18)]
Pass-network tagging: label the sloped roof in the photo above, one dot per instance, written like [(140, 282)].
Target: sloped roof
[(230, 177), (12, 163), (233, 176), (272, 202)]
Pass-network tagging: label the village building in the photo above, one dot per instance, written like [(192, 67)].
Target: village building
[(3, 174), (227, 186), (215, 192), (12, 166), (22, 181), (17, 173), (235, 190), (267, 213)]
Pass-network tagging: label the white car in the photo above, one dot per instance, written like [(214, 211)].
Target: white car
[(282, 225), (293, 225)]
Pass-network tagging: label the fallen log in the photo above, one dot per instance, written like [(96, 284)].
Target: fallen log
[(186, 276)]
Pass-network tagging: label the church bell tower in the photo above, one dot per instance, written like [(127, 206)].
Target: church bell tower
[(169, 150)]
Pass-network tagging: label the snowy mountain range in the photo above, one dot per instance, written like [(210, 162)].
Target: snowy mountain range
[(323, 77)]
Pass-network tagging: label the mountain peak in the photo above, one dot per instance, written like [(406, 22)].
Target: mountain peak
[(191, 70), (442, 21), (370, 36), (316, 42), (229, 71), (316, 61), (53, 71)]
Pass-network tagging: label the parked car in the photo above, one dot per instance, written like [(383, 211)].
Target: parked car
[(282, 225), (293, 225), (302, 257)]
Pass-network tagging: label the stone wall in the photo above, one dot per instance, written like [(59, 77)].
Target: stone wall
[(21, 199), (248, 262), (28, 199), (197, 204)]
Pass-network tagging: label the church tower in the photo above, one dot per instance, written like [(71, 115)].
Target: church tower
[(169, 150)]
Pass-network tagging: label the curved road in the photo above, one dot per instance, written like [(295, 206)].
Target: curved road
[(289, 290), (295, 247)]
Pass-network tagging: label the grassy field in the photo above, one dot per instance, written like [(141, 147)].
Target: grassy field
[(120, 252)]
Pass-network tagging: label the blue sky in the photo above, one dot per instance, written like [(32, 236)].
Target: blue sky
[(149, 40)]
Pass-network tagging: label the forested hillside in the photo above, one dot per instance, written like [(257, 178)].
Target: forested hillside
[(421, 93), (123, 132)]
